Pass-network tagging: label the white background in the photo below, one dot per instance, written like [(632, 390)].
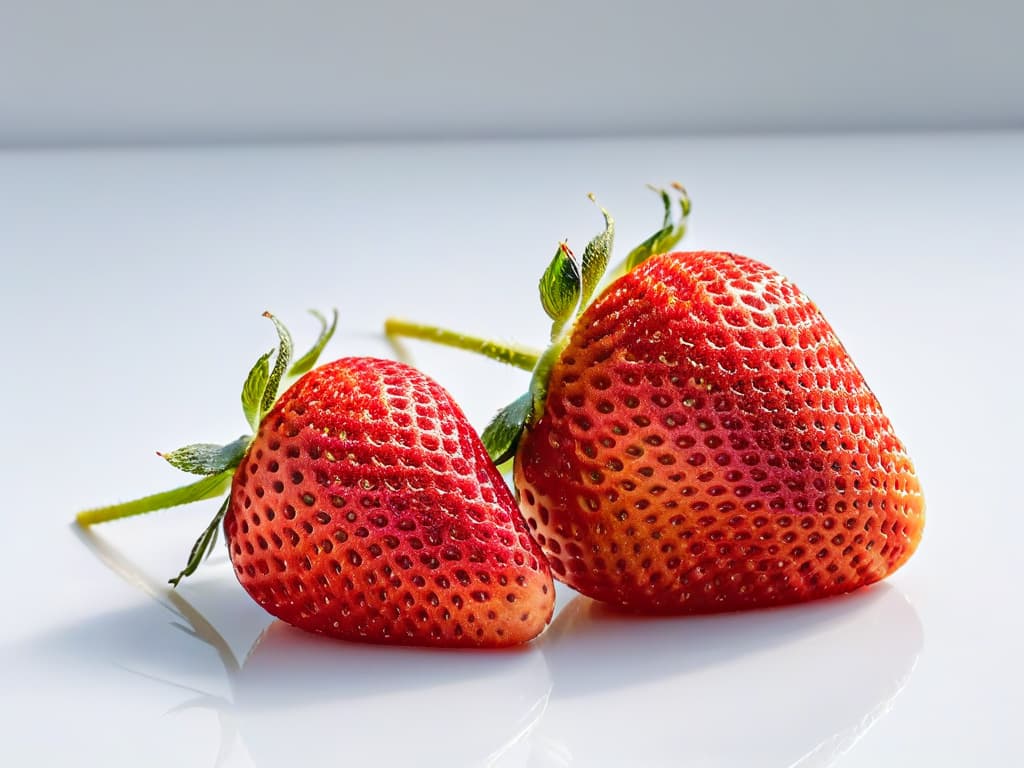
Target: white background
[(222, 70), (134, 282), (132, 278)]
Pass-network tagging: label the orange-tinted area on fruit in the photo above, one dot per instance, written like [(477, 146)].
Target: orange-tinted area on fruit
[(709, 445), (368, 509)]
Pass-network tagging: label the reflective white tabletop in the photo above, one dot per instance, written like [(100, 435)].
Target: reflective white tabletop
[(133, 284)]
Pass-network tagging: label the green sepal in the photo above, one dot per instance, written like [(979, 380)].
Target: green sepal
[(595, 258), (501, 437), (308, 360), (206, 488), (284, 357), (669, 234), (208, 458), (253, 389), (560, 288), (203, 546)]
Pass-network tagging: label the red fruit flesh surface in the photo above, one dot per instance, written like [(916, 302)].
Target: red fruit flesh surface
[(708, 445), (367, 509)]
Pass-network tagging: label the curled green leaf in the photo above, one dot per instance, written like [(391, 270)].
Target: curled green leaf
[(253, 389), (595, 258), (560, 288), (666, 201), (203, 546), (208, 458), (501, 437), (669, 234), (308, 360), (284, 356)]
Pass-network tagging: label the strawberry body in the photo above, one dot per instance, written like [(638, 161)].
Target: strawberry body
[(708, 444), (366, 508)]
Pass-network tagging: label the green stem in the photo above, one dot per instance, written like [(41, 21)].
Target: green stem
[(519, 357), (542, 373), (207, 488)]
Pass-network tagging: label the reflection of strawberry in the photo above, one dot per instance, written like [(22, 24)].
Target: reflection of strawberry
[(810, 681), (365, 507), (281, 680), (697, 439), (300, 681)]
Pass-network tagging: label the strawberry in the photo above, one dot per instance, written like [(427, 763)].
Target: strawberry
[(365, 507), (697, 439)]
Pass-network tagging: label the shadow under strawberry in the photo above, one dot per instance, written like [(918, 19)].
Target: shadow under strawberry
[(777, 687), (152, 637), (385, 706), (380, 705)]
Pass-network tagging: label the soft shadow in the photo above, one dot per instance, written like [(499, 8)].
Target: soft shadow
[(158, 637), (287, 689), (781, 687), (586, 633), (297, 667), (386, 705), (787, 687)]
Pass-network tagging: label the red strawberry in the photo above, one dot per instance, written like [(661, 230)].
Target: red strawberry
[(699, 439), (707, 444), (366, 508)]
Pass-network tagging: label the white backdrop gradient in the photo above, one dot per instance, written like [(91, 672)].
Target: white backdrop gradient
[(112, 71)]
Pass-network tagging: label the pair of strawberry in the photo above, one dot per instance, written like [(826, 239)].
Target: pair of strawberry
[(694, 439)]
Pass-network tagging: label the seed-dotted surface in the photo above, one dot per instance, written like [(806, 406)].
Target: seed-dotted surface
[(368, 509), (708, 445)]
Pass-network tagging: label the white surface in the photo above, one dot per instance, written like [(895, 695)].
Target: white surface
[(133, 283), (120, 70)]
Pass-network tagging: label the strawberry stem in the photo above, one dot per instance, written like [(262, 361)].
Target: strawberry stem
[(521, 357), (207, 488)]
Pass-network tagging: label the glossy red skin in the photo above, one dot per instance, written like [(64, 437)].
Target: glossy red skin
[(708, 444), (367, 509)]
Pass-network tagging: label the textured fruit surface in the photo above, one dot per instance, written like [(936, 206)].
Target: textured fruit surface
[(707, 444), (367, 508)]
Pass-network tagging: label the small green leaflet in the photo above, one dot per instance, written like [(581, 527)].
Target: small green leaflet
[(666, 201), (308, 360), (203, 546), (560, 288), (595, 258), (208, 458), (261, 386), (253, 389), (284, 357), (502, 435), (669, 234)]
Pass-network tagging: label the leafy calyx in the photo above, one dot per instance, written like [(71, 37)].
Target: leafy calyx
[(503, 434), (217, 463), (567, 288)]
